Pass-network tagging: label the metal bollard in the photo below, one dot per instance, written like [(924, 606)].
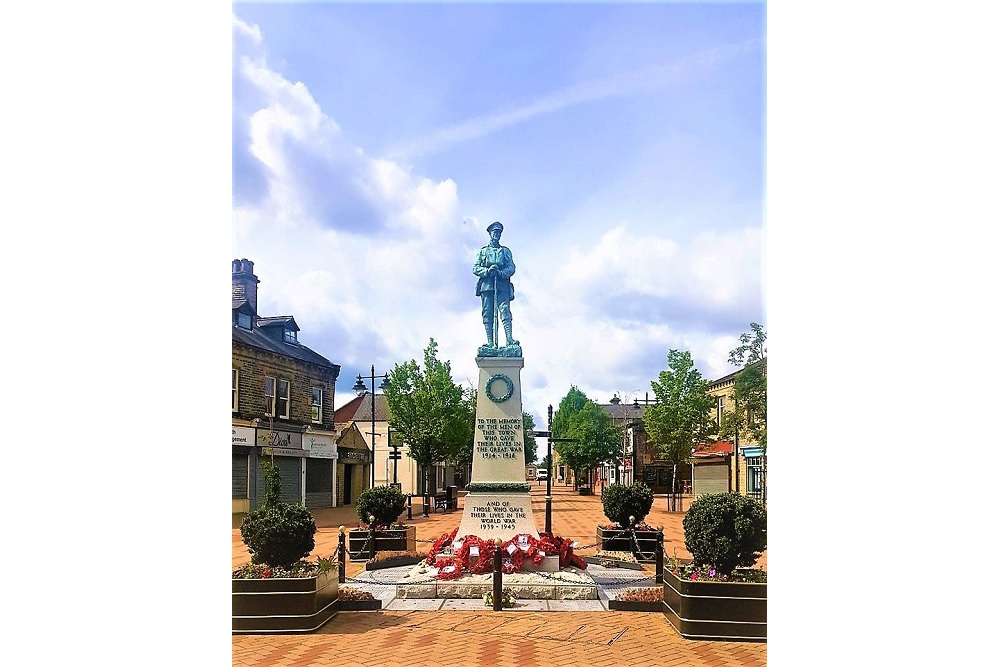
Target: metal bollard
[(427, 500), (659, 556), (342, 557), (371, 537), (497, 576)]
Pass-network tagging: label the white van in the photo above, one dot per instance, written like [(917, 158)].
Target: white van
[(542, 475)]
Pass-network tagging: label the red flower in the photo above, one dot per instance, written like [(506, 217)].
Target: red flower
[(266, 573)]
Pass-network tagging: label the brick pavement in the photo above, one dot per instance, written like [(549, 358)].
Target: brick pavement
[(474, 638)]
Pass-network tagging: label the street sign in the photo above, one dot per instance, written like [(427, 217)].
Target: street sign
[(541, 434), (395, 456)]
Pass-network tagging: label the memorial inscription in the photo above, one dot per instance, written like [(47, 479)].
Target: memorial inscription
[(497, 438), (498, 514)]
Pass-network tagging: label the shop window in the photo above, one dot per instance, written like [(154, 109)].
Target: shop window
[(316, 404), (236, 390), (269, 395), (283, 400)]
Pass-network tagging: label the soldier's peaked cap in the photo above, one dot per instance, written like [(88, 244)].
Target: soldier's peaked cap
[(495, 225)]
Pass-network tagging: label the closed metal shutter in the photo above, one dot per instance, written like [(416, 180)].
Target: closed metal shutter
[(711, 478), (319, 483), (290, 472), (241, 467)]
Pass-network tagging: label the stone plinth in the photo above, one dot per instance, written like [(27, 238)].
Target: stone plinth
[(497, 503)]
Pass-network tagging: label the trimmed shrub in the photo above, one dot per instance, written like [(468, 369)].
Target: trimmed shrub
[(624, 500), (725, 531), (385, 503), (279, 534)]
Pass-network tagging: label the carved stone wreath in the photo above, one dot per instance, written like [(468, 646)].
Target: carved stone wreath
[(489, 388)]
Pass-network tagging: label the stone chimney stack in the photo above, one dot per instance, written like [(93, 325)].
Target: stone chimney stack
[(245, 282)]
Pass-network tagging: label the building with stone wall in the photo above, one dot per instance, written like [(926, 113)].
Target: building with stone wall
[(282, 405)]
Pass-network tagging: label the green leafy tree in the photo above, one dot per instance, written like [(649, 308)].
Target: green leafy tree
[(530, 445), (429, 411), (681, 417), (749, 396), (594, 442)]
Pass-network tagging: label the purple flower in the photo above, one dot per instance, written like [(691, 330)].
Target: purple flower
[(711, 573)]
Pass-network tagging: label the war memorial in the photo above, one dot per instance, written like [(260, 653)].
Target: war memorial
[(497, 512)]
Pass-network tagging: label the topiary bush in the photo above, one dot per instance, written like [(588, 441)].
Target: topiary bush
[(725, 531), (624, 500), (385, 503), (279, 534)]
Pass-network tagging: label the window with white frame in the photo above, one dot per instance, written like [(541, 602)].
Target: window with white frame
[(291, 336), (720, 407), (283, 402), (270, 385), (755, 474), (236, 390), (316, 404)]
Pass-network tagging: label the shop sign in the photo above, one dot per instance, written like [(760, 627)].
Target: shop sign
[(348, 455), (320, 446), (243, 436), (284, 443)]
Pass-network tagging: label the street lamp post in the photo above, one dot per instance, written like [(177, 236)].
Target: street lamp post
[(360, 388)]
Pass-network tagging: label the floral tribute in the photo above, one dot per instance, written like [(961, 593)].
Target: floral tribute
[(516, 551)]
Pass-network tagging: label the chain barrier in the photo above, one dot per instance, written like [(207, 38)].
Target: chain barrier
[(642, 554)]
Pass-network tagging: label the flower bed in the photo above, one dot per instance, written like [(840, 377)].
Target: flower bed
[(351, 599), (638, 599)]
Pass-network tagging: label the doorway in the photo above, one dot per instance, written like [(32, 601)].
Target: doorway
[(348, 483)]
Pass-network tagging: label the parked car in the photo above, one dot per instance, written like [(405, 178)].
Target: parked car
[(542, 475)]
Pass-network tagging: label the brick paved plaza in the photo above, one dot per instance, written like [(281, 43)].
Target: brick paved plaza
[(480, 638)]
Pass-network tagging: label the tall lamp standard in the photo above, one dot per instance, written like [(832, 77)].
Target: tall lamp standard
[(360, 388)]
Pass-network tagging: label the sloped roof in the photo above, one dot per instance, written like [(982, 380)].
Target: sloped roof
[(360, 409), (285, 321), (292, 349)]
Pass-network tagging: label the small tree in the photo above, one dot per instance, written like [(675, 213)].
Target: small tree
[(277, 534), (385, 503), (593, 440), (681, 417), (725, 531), (748, 419), (622, 501), (428, 411)]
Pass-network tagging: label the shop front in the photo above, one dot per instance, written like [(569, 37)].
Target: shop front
[(285, 449), (321, 464), (243, 440)]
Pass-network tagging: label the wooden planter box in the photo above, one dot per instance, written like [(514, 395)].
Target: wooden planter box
[(618, 539), (716, 610), (358, 605), (272, 606), (396, 539), (635, 605)]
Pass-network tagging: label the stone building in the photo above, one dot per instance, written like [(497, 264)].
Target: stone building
[(282, 405)]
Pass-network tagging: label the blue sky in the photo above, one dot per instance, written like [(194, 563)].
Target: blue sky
[(622, 147)]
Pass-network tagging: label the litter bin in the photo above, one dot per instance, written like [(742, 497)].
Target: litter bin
[(452, 498)]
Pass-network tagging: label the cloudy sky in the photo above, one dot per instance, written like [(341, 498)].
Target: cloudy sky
[(622, 147)]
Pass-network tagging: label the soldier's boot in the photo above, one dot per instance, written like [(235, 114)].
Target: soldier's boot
[(489, 335), (510, 337)]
